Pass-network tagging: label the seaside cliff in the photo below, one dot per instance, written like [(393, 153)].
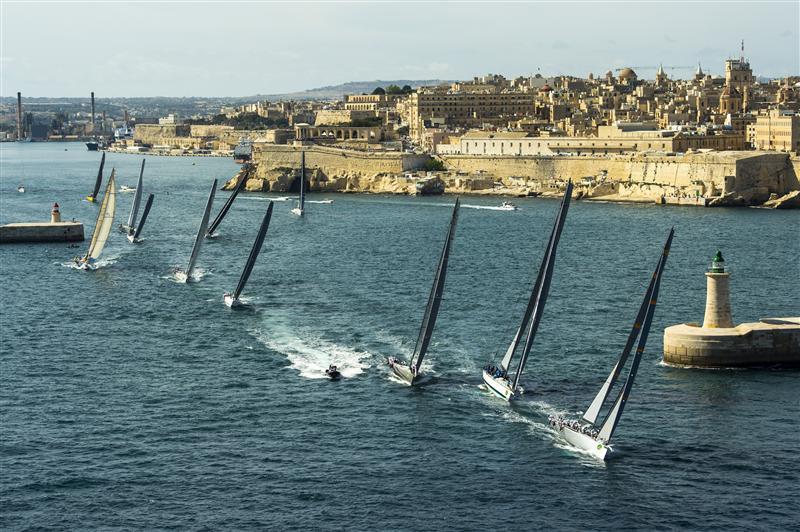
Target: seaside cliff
[(743, 178)]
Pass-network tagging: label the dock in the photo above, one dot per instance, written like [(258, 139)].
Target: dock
[(33, 232)]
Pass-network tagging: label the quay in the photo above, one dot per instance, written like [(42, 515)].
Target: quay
[(53, 231)]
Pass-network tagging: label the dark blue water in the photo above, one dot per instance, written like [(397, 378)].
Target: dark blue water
[(131, 401)]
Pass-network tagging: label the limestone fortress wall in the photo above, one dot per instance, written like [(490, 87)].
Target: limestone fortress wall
[(721, 178)]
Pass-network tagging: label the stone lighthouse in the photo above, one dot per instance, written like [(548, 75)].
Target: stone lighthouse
[(718, 299), (720, 343)]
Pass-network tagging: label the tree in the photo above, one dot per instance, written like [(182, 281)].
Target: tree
[(407, 89), (393, 89), (379, 90)]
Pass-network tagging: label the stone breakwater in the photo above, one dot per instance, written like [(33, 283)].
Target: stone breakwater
[(704, 179)]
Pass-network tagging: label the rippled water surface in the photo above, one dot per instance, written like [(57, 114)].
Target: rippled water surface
[(131, 401)]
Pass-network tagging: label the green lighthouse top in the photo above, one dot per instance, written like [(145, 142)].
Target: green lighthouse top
[(718, 263)]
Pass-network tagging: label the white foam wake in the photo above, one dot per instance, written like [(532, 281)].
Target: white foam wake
[(487, 208), (177, 275), (311, 356)]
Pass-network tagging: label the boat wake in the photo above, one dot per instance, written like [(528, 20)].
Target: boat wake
[(312, 356), (101, 263), (177, 275), (321, 202), (487, 207)]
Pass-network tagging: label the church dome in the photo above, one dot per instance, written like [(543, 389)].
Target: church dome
[(627, 73), (545, 88)]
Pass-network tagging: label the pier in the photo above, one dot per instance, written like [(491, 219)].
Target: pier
[(34, 232)]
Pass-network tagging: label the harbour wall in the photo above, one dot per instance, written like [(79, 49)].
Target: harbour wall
[(41, 232), (715, 178)]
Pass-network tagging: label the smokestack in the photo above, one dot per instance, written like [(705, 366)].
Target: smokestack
[(20, 126), (92, 112)]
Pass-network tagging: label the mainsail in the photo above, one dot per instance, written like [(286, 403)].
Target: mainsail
[(99, 179), (251, 260), (435, 298), (140, 225), (137, 198), (198, 241), (226, 207), (535, 308), (650, 300), (105, 220)]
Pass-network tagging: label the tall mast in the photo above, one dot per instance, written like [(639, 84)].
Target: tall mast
[(198, 241), (99, 179), (226, 207), (612, 419), (544, 286), (435, 298), (140, 225), (256, 249), (594, 409), (504, 364), (137, 198)]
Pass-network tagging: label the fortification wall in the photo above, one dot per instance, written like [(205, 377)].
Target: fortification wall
[(337, 162)]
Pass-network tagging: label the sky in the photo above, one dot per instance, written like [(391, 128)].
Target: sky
[(183, 48)]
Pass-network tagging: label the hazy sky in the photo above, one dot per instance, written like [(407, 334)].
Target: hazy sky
[(244, 48)]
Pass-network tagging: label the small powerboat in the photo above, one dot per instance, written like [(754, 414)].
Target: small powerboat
[(508, 206), (333, 372), (126, 188), (21, 189)]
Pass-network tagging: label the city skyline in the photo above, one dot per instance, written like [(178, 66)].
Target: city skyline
[(241, 49)]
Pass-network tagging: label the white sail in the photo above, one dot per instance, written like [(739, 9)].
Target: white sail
[(105, 220)]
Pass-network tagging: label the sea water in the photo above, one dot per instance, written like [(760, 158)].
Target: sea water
[(131, 401)]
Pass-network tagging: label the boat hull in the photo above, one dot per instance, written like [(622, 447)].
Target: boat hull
[(401, 370), (585, 443), (133, 240), (231, 302), (297, 211), (499, 386)]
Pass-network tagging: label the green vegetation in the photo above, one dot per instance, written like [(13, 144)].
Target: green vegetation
[(393, 89), (434, 165), (368, 121), (242, 121)]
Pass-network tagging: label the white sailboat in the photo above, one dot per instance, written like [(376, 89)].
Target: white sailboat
[(300, 207), (102, 228), (587, 433), (231, 299), (410, 371), (185, 276), (498, 378)]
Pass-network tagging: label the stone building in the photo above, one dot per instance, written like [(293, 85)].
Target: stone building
[(776, 130)]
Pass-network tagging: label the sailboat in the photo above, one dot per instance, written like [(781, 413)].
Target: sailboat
[(210, 233), (497, 378), (299, 210), (93, 196), (133, 228), (186, 275), (102, 228), (232, 299), (587, 433), (410, 371)]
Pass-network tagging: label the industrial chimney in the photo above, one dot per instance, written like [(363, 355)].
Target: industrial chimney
[(20, 126), (93, 113)]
